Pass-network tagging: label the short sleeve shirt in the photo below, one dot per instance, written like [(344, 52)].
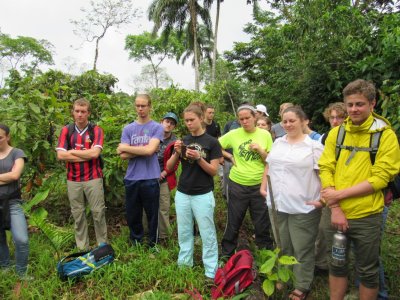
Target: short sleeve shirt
[(249, 166), (135, 134), (81, 140), (194, 180), (278, 130), (293, 177), (6, 165), (213, 129)]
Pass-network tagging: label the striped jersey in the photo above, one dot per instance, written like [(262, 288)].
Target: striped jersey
[(81, 140)]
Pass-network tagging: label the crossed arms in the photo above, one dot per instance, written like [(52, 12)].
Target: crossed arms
[(15, 172)]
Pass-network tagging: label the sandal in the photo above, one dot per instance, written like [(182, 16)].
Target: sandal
[(298, 295)]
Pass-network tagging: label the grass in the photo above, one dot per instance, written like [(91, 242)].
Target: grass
[(141, 273)]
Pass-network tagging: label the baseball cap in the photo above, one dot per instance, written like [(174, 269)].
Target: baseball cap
[(262, 108), (171, 115)]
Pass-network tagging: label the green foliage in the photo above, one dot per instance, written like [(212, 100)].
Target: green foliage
[(205, 44), (391, 103), (146, 274), (147, 46), (59, 237), (26, 52), (175, 100), (153, 48), (36, 107), (309, 50), (275, 268), (174, 15)]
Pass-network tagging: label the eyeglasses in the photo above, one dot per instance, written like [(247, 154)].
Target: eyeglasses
[(336, 117), (140, 106)]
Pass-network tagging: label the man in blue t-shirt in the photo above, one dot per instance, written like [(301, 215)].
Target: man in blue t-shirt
[(139, 143)]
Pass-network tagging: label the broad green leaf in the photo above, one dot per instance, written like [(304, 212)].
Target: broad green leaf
[(34, 108), (241, 296), (39, 197), (273, 277), (284, 274), (37, 216), (35, 146), (268, 287), (268, 265), (287, 260)]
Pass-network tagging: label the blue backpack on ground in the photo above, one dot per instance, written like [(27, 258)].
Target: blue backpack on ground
[(80, 264)]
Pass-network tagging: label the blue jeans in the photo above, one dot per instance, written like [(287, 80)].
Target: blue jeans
[(19, 231), (142, 195), (202, 208), (383, 293)]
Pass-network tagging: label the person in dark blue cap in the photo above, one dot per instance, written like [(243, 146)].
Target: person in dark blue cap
[(167, 177)]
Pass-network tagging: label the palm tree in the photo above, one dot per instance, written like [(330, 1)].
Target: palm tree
[(214, 59), (205, 45), (175, 14)]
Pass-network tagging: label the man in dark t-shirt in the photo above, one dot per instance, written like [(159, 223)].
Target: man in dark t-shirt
[(212, 128)]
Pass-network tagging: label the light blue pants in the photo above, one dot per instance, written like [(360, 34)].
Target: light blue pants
[(19, 231), (202, 208)]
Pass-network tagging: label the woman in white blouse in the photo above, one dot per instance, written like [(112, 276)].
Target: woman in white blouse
[(292, 167)]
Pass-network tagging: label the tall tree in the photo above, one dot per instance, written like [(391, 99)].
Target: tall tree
[(152, 48), (215, 50), (146, 80), (101, 16), (24, 51), (174, 14), (205, 45)]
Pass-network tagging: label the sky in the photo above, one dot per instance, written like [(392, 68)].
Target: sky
[(50, 20)]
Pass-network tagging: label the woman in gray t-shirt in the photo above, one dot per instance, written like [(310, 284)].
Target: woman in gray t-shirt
[(12, 217)]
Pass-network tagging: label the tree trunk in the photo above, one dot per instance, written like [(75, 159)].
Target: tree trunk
[(96, 54), (196, 49), (155, 71), (214, 61)]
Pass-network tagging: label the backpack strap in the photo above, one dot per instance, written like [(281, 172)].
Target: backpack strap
[(339, 141), (374, 142), (372, 149)]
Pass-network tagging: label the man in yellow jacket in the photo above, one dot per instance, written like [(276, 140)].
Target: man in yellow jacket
[(352, 186)]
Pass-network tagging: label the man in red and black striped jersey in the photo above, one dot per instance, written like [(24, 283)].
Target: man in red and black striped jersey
[(80, 146)]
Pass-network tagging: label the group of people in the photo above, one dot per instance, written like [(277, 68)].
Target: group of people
[(300, 187)]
